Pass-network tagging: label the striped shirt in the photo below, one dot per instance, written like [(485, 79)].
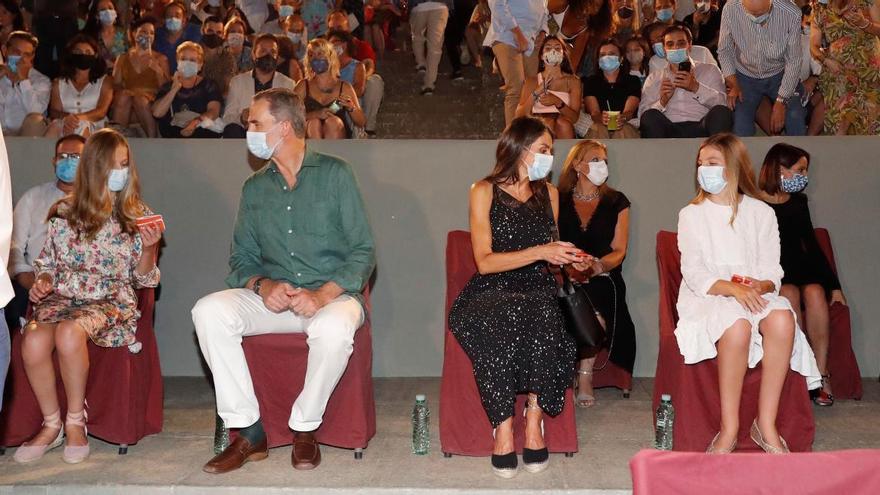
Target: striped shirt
[(763, 50)]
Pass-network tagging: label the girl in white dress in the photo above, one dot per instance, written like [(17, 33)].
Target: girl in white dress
[(725, 234)]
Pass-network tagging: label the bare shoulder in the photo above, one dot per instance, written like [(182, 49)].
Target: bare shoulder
[(482, 188)]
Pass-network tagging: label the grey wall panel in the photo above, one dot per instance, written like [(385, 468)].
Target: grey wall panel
[(416, 191)]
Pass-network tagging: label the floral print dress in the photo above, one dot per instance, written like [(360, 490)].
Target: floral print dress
[(854, 95), (93, 281)]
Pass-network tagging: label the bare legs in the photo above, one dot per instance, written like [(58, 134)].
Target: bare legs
[(777, 330), (817, 323), (534, 435), (125, 102), (69, 339), (329, 128)]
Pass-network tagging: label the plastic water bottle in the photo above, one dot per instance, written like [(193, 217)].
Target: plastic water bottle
[(665, 421), (221, 435), (421, 437)]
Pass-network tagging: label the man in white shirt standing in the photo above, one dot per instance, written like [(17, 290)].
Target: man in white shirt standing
[(24, 91), (6, 291), (686, 98), (29, 222)]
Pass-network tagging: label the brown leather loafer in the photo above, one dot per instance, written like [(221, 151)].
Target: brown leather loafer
[(236, 455), (306, 453)]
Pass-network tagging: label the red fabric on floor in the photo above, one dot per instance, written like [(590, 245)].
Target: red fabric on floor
[(846, 379), (124, 390), (694, 387), (278, 369), (464, 426), (850, 472)]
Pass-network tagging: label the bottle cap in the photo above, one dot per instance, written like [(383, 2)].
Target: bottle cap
[(666, 397), (421, 398)]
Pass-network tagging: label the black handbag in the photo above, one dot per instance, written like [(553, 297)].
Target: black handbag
[(581, 317)]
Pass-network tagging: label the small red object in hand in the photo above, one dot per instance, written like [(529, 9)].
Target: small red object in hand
[(739, 279), (154, 220)]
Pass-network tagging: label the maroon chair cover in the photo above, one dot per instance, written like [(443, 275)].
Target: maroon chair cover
[(124, 390), (846, 379), (464, 426), (853, 472), (611, 375), (694, 387), (277, 364)]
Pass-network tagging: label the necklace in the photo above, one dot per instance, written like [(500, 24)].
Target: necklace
[(579, 196)]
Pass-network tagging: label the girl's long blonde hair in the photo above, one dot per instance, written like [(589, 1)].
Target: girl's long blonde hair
[(738, 171), (91, 203), (568, 178)]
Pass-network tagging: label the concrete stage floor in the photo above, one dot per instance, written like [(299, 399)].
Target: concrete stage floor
[(170, 463)]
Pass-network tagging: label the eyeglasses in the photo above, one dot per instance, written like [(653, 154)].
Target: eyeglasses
[(64, 156)]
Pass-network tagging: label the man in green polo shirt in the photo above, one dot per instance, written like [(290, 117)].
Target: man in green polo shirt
[(302, 252)]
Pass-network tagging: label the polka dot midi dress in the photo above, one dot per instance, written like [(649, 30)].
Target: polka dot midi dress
[(509, 323)]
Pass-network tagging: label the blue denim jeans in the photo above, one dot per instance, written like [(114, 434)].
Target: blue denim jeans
[(753, 91), (4, 354)]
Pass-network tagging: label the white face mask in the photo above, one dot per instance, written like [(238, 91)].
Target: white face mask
[(553, 57), (598, 172), (117, 179), (540, 166), (711, 178), (258, 145)]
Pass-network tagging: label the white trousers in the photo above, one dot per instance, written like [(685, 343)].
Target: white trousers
[(223, 318)]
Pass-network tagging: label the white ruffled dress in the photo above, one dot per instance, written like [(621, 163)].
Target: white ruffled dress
[(712, 249)]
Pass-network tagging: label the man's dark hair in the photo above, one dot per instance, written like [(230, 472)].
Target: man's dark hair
[(213, 19), (24, 36), (266, 37), (679, 28), (285, 105), (69, 137)]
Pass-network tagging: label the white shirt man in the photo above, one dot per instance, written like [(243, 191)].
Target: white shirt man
[(24, 91)]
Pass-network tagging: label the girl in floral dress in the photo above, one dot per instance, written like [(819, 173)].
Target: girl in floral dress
[(850, 79), (94, 258)]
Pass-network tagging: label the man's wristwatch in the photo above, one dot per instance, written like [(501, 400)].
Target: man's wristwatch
[(782, 100), (258, 284)]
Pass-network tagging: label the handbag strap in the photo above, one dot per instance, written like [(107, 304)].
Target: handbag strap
[(567, 286)]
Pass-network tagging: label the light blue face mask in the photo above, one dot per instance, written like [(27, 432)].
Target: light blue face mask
[(285, 11), (65, 169), (760, 19), (664, 15), (540, 166), (107, 16), (188, 68), (258, 145), (659, 50), (609, 63), (794, 184), (173, 24), (711, 178), (677, 56), (12, 62), (117, 179)]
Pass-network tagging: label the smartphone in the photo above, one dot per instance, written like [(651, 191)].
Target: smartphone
[(685, 66)]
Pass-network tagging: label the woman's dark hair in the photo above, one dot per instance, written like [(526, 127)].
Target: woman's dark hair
[(68, 71), (624, 63), (514, 141), (781, 155), (565, 66), (93, 24), (346, 38), (140, 21), (17, 18), (648, 29), (646, 47), (236, 12)]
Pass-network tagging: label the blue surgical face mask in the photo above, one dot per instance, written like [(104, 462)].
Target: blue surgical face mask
[(806, 30), (794, 184), (320, 65), (659, 50), (823, 2), (117, 179), (107, 16), (760, 19), (65, 169), (540, 166), (12, 62), (711, 178), (188, 68), (664, 15), (609, 63), (285, 11), (677, 56), (296, 38), (258, 145), (173, 24)]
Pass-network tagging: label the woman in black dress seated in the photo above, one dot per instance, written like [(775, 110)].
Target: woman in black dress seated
[(595, 218), (506, 318), (809, 280)]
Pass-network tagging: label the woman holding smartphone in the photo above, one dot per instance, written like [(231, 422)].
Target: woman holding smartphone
[(726, 234), (94, 258)]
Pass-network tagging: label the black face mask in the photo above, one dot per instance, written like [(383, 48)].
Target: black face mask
[(266, 63), (212, 40), (82, 62), (625, 12)]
